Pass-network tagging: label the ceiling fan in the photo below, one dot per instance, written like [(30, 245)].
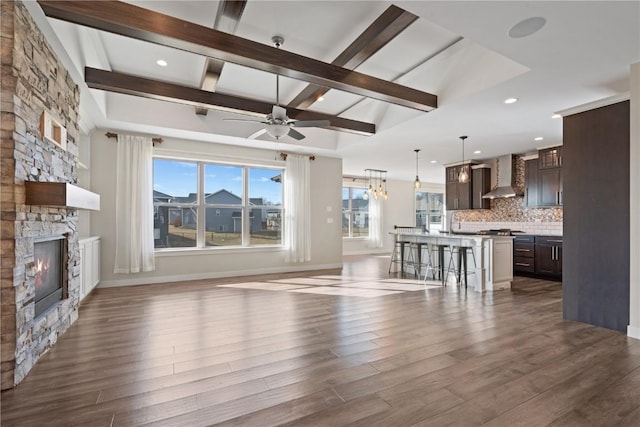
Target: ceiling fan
[(277, 124)]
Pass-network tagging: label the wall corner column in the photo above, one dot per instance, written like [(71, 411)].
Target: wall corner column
[(633, 330)]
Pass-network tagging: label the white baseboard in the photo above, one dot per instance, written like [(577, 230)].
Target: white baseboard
[(367, 252), (633, 332), (214, 275)]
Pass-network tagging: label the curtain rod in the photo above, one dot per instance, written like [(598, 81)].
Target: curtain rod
[(115, 135), (283, 156)]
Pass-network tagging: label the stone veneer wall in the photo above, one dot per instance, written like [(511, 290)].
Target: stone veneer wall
[(33, 80), (512, 213)]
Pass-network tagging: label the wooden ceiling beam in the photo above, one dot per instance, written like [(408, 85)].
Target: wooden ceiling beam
[(385, 28), (139, 86), (227, 18), (143, 24)]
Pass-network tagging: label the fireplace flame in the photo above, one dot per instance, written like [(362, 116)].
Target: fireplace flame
[(42, 268)]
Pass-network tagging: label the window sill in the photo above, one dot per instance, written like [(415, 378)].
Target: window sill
[(219, 250), (355, 238)]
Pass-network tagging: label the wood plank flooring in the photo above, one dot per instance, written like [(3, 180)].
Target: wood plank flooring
[(234, 352)]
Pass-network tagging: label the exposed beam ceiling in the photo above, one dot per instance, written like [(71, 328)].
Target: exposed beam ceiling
[(385, 28), (153, 89), (143, 24), (227, 18)]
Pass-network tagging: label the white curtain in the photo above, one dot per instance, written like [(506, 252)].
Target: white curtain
[(297, 208), (134, 205), (376, 239)]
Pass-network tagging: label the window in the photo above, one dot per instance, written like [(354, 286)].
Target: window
[(202, 204), (355, 212), (429, 210)]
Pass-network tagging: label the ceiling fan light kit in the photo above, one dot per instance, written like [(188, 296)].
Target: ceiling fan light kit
[(277, 124)]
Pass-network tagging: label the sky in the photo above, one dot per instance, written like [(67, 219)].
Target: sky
[(179, 178)]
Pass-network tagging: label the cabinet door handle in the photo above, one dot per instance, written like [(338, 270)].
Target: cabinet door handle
[(523, 250), (555, 241), (523, 264)]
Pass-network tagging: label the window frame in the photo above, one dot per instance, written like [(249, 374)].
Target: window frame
[(201, 206), (428, 211), (351, 212)]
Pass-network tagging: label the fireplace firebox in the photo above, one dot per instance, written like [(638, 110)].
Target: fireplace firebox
[(50, 259)]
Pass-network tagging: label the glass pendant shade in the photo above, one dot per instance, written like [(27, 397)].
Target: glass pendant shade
[(416, 183), (463, 176)]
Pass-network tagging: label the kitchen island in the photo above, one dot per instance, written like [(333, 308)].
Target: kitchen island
[(493, 255)]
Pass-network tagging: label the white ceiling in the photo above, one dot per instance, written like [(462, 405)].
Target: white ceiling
[(459, 51)]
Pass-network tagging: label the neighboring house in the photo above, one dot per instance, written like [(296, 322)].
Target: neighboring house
[(221, 218)]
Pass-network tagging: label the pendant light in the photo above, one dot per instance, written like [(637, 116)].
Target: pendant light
[(416, 183), (463, 177), (377, 184)]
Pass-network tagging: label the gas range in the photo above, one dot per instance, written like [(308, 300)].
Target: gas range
[(499, 232)]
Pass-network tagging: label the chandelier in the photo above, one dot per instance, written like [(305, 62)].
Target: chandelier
[(377, 180)]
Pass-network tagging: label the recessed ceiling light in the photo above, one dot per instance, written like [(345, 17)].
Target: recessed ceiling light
[(510, 100), (556, 116), (433, 161), (321, 98), (527, 27), (477, 152), (162, 62), (538, 138)]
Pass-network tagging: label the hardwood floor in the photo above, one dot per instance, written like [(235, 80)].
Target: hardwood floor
[(258, 351)]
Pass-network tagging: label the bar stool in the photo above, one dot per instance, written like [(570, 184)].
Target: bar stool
[(461, 251), (399, 245)]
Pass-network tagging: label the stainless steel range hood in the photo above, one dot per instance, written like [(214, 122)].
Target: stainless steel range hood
[(506, 180)]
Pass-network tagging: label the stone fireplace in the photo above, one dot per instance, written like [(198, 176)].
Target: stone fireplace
[(40, 297)]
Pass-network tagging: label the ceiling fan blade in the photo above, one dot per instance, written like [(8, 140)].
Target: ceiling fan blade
[(295, 134), (257, 134), (279, 113), (244, 120), (311, 123)]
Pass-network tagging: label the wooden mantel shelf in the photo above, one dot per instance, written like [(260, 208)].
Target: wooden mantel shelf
[(61, 194)]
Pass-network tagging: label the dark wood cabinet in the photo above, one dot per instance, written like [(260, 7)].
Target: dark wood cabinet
[(481, 185), (550, 187), (531, 183), (458, 195), (539, 256), (550, 158), (548, 255), (523, 254), (543, 179)]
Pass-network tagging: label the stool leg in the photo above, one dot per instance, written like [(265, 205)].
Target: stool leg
[(416, 272), (459, 271), (441, 260), (394, 254), (402, 260), (464, 260)]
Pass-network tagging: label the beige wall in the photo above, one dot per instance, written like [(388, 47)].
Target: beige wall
[(326, 237)]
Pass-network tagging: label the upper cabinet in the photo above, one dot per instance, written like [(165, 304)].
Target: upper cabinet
[(467, 195), (481, 184), (543, 179), (458, 194), (550, 158), (550, 177), (531, 183)]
